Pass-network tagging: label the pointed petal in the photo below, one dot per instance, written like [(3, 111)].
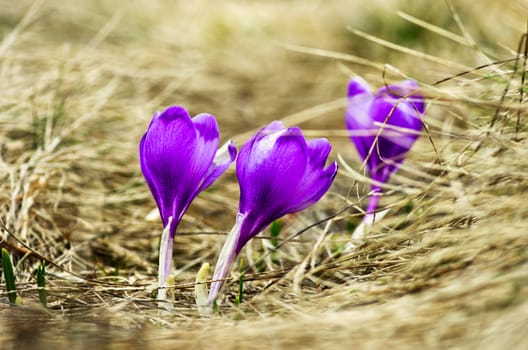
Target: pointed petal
[(399, 105), (316, 187), (408, 91), (206, 145), (147, 174), (359, 100), (358, 85), (269, 129), (316, 180), (272, 169), (223, 159), (163, 157), (247, 149), (357, 117), (393, 143), (309, 190), (176, 154), (278, 174), (318, 151)]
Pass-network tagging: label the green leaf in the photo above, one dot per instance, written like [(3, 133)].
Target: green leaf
[(275, 229), (41, 283), (215, 308), (9, 276), (238, 298)]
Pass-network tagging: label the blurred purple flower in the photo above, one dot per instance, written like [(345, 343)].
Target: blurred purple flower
[(279, 172), (383, 127), (179, 158)]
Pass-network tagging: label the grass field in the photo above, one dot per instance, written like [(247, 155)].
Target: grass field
[(446, 267)]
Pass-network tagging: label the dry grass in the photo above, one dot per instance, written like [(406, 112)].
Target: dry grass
[(446, 268)]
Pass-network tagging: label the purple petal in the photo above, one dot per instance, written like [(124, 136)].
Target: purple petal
[(273, 127), (315, 188), (318, 151), (393, 143), (308, 192), (316, 180), (202, 160), (357, 86), (323, 184), (245, 151), (280, 174), (395, 109), (407, 90), (176, 155), (390, 123), (269, 172), (223, 159), (170, 136), (269, 129), (268, 168), (358, 119), (207, 143)]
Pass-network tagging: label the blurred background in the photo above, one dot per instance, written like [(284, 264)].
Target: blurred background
[(80, 81)]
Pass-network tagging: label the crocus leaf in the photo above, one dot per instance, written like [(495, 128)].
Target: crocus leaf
[(7, 266), (41, 283)]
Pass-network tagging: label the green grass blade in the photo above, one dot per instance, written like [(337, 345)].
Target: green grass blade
[(238, 299), (9, 276), (41, 283), (275, 229)]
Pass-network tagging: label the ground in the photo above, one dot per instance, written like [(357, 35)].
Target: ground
[(445, 268)]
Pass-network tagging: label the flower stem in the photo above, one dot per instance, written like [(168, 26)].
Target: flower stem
[(165, 260), (374, 199), (363, 227), (370, 215), (225, 259)]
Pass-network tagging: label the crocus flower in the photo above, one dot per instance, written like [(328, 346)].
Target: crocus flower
[(383, 127), (179, 158), (279, 172)]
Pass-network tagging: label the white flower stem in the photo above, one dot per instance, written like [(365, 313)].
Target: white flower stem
[(363, 228), (165, 262), (225, 260)]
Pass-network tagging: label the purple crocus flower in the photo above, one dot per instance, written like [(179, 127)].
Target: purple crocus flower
[(383, 127), (279, 172), (179, 158)]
